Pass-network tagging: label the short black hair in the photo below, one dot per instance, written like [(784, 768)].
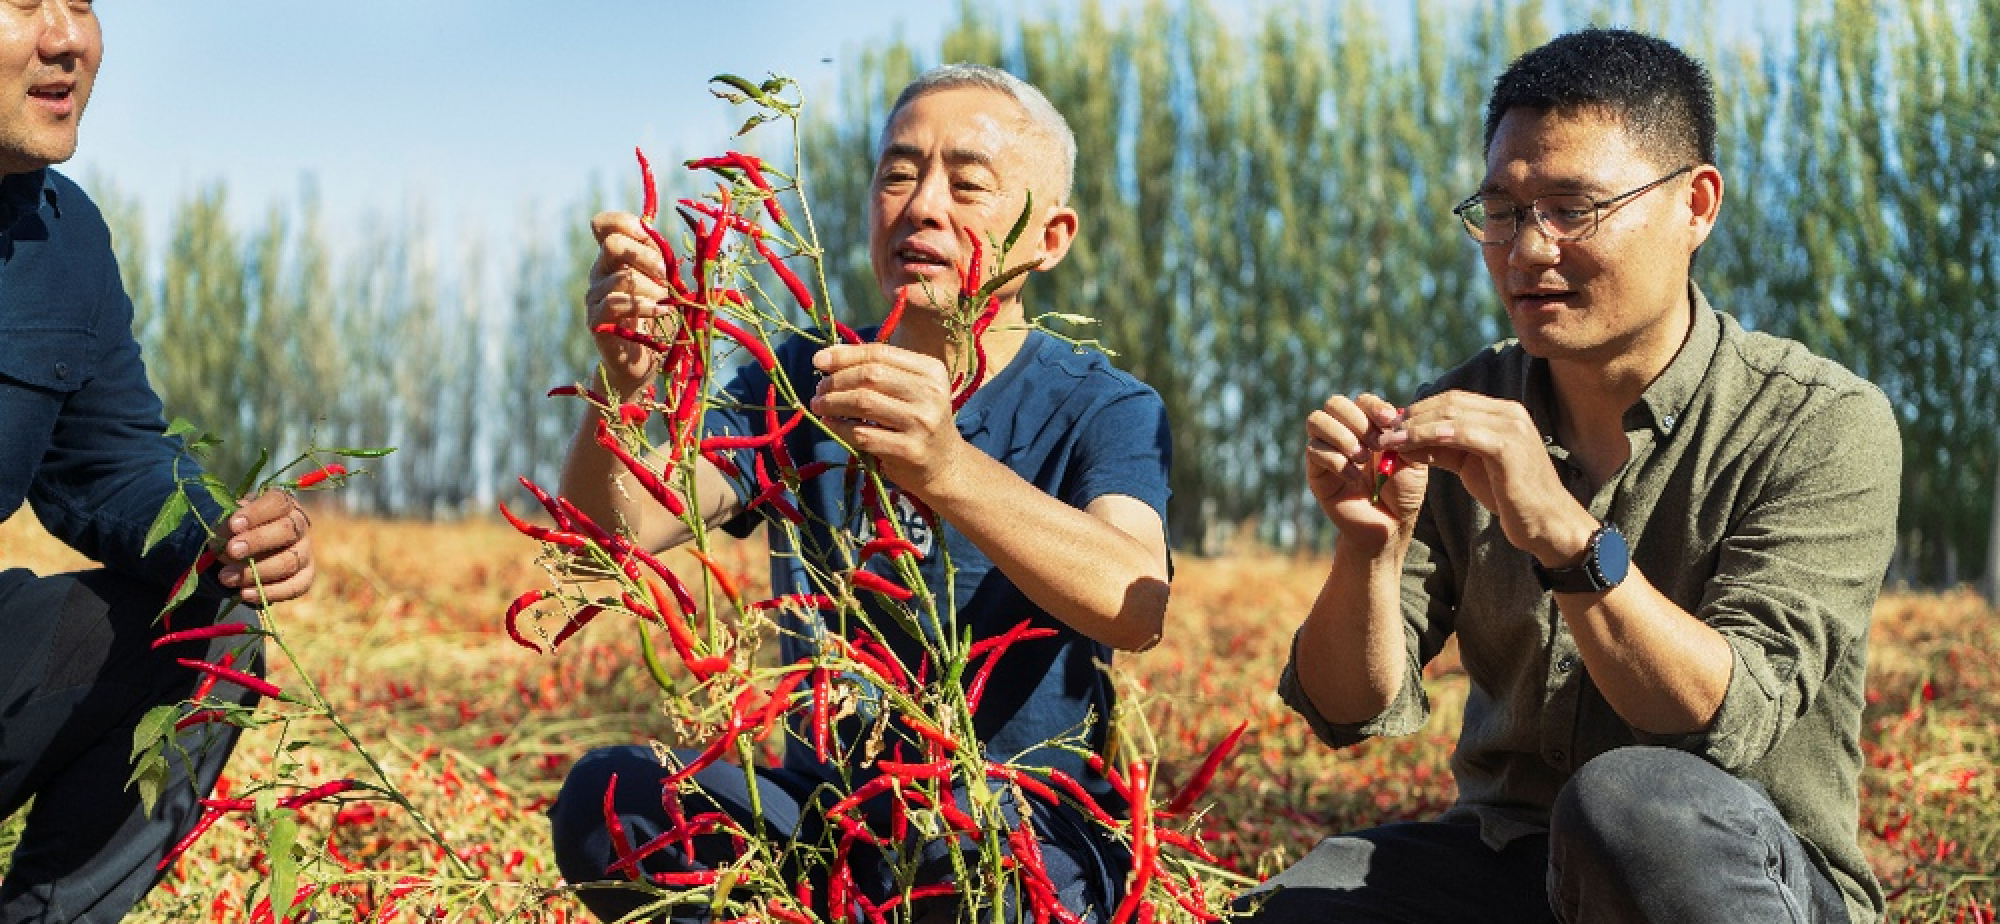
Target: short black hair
[(1664, 97)]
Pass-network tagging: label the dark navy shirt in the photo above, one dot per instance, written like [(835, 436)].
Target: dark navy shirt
[(82, 435), (1064, 420)]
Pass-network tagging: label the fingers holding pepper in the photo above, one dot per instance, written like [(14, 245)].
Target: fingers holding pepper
[(272, 531)]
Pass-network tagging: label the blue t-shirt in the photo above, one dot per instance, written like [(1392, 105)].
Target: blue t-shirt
[(1063, 419)]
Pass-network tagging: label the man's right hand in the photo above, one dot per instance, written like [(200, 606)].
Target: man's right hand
[(627, 282), (1342, 441)]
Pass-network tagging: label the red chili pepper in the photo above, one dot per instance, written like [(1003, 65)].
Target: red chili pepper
[(892, 546), (314, 477), (639, 337), (847, 334), (573, 391), (556, 511), (686, 880), (647, 478), (649, 207), (722, 579), (1082, 796), (1387, 463), (895, 317), (793, 284), (1198, 783), (970, 286), (1145, 862), (320, 793), (930, 732), (200, 717), (614, 823), (543, 533), (633, 415), (1027, 783), (1192, 845), (819, 717), (514, 610), (780, 699), (780, 452), (869, 580), (998, 645), (576, 621), (202, 562), (207, 683), (673, 263), (976, 377), (803, 601), (201, 827), (758, 351), (220, 630), (254, 684)]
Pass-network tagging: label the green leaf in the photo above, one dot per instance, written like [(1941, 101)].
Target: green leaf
[(153, 727), (181, 427), (220, 493), (167, 520), (1006, 276), (284, 834), (1020, 224), (754, 121), (250, 480), (182, 591), (149, 775), (749, 89), (363, 453)]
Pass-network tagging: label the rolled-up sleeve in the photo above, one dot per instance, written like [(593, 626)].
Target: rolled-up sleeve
[(1798, 574)]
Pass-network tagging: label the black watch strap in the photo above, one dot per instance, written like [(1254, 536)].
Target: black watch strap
[(1606, 558)]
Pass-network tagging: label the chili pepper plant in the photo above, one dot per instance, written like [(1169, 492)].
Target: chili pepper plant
[(709, 648), (272, 803)]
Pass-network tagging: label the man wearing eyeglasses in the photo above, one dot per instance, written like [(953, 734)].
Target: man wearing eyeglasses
[(1657, 538)]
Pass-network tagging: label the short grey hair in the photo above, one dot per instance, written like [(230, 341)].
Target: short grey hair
[(1041, 113)]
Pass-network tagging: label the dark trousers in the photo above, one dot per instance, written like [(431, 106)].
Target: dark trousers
[(1638, 834), (77, 672), (1087, 872)]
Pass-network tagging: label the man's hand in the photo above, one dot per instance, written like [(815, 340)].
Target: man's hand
[(627, 282), (1343, 440), (893, 404), (271, 530), (1497, 452)]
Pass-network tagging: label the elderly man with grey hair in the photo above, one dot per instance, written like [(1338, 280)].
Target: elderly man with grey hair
[(1049, 490)]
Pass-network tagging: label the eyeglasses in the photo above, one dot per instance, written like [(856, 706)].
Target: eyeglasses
[(1562, 216)]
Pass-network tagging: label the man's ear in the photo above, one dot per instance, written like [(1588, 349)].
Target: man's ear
[(1058, 233), (1704, 202)]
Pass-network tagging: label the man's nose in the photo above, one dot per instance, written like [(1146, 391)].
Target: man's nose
[(62, 31)]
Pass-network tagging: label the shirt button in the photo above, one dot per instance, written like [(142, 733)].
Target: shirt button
[(62, 370), (1556, 756), (1667, 423), (1565, 664)]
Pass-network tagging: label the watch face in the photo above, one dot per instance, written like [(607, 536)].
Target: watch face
[(1614, 556)]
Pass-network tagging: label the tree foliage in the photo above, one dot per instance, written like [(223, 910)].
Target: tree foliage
[(1265, 203)]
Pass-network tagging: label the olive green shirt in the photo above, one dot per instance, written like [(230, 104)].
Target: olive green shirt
[(1760, 496)]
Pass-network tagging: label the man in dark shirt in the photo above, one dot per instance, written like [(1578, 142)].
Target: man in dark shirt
[(1049, 486), (82, 440), (1656, 537)]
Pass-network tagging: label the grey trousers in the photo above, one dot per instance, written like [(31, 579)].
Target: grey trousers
[(77, 671), (1638, 834)]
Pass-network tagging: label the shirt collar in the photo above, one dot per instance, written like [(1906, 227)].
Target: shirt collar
[(1664, 403), (19, 191)]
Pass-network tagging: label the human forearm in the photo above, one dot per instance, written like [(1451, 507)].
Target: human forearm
[(1102, 571), (1352, 652), (1661, 669)]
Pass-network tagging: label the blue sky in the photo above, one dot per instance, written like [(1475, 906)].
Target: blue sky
[(479, 112)]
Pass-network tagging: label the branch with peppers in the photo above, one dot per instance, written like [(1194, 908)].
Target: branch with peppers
[(275, 798), (899, 732)]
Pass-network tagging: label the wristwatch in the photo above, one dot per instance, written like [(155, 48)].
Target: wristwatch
[(1606, 560)]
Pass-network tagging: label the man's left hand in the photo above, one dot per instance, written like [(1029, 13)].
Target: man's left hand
[(271, 530), (893, 404)]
